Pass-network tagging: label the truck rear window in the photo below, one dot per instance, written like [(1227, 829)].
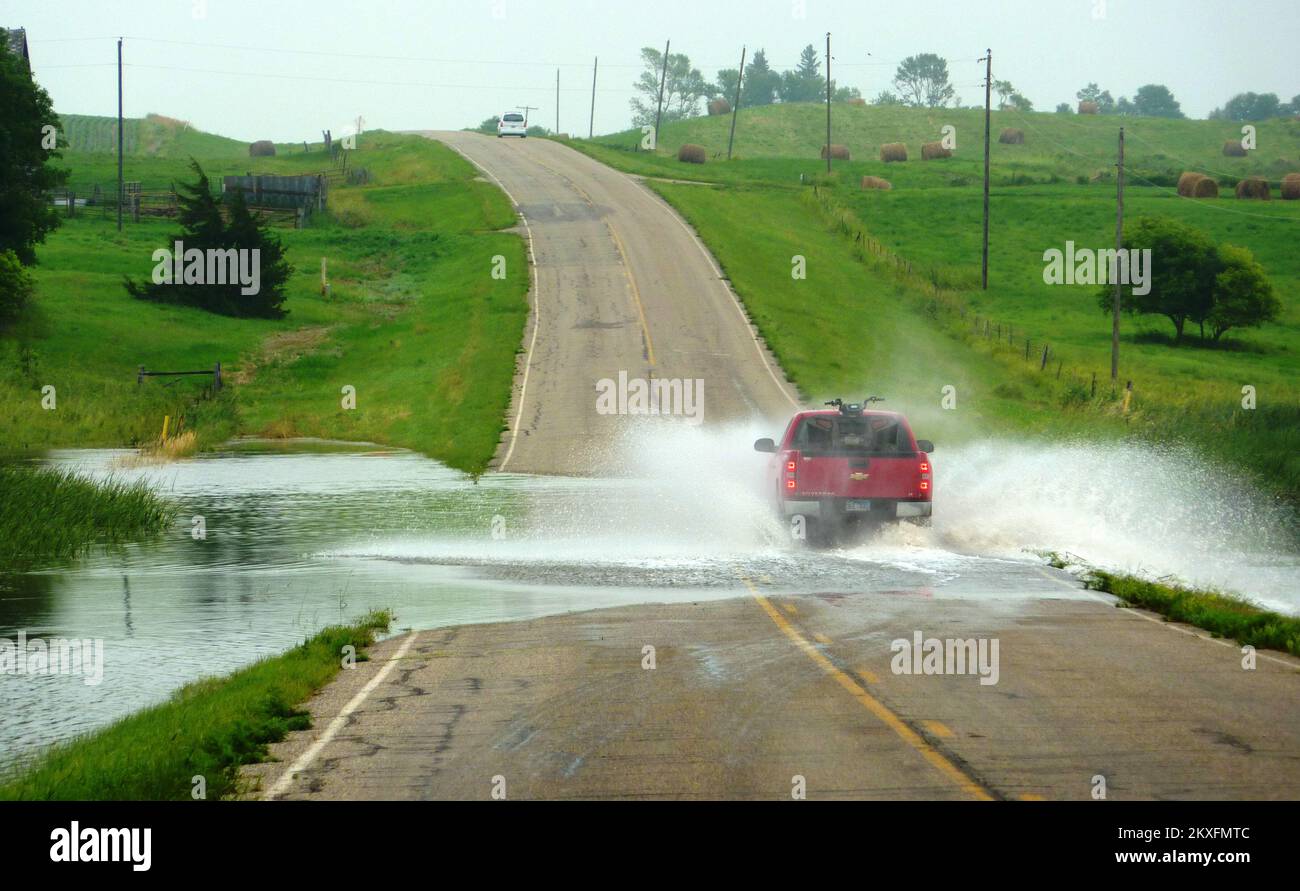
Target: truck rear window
[(841, 436), (514, 118)]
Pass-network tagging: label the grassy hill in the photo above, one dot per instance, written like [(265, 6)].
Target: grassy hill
[(154, 136), (892, 300), (158, 150), (1064, 146), (414, 322)]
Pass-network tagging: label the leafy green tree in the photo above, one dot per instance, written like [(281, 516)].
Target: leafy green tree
[(684, 87), (1093, 93), (884, 97), (761, 82), (26, 178), (1020, 103), (489, 125), (1250, 107), (1184, 264), (726, 84), (16, 287), (1243, 295), (1124, 107), (844, 94), (1004, 90), (1156, 101), (1063, 108), (922, 81)]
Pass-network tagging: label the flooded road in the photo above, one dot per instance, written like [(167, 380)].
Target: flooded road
[(301, 535)]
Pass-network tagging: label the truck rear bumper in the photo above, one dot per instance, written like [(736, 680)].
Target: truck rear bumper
[(838, 507)]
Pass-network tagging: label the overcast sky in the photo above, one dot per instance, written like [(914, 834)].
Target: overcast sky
[(286, 69)]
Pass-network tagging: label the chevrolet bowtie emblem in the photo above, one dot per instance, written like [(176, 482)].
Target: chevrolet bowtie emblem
[(857, 476)]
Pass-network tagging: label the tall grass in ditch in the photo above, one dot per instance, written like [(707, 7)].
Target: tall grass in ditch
[(48, 514), (208, 728)]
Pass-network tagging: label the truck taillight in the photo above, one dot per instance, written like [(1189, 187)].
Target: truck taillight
[(792, 470), (925, 485)]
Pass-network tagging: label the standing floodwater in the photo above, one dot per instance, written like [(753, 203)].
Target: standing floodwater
[(303, 535)]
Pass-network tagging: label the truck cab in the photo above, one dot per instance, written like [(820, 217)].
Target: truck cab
[(849, 467)]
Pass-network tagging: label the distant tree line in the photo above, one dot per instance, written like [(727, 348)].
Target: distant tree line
[(686, 90)]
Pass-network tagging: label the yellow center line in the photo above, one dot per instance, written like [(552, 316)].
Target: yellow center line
[(968, 784), (622, 253), (868, 676), (636, 293)]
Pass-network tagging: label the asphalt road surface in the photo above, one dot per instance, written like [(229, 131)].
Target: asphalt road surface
[(794, 685), (622, 285)]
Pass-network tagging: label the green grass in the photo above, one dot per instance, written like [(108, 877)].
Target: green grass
[(208, 728), (1223, 615), (415, 321), (789, 138), (48, 514), (860, 324)]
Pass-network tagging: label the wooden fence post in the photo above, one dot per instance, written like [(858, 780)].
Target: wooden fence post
[(1043, 364)]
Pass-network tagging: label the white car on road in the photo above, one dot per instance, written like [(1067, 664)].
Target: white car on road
[(512, 124)]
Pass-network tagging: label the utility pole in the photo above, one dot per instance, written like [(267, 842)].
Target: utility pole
[(591, 125), (659, 107), (828, 101), (735, 106), (557, 102), (988, 107), (120, 187), (1119, 244), (525, 109)]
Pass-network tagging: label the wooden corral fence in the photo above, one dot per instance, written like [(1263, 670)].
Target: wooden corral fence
[(277, 199)]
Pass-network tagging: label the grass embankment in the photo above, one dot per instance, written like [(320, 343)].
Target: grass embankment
[(48, 514), (415, 322), (858, 323), (208, 728), (1223, 615)]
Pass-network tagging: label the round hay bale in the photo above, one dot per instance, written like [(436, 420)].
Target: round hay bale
[(1232, 149), (1253, 188), (719, 107), (1087, 106), (838, 152), (1205, 187), (1012, 136), (932, 150), (893, 151), (875, 182), (1291, 187), (263, 148), (859, 101), (691, 153), (1187, 181)]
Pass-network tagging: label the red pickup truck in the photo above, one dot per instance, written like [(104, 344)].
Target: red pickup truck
[(849, 467)]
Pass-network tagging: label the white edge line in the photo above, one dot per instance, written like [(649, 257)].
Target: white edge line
[(306, 758), (537, 303)]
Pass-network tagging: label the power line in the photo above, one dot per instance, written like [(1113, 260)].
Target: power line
[(379, 83)]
